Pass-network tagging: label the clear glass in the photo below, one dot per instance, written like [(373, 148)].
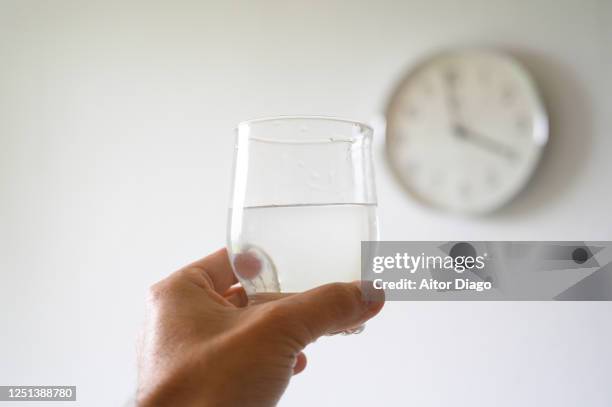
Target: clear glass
[(303, 199)]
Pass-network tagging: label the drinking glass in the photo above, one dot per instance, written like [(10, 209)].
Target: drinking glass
[(303, 199)]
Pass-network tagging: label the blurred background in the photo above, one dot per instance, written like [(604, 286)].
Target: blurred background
[(116, 142)]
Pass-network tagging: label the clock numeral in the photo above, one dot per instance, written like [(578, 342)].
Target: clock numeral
[(427, 88), (412, 112), (451, 76)]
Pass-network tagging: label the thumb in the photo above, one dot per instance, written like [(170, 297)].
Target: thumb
[(329, 308)]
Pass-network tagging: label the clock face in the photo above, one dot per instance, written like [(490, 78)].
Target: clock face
[(465, 130)]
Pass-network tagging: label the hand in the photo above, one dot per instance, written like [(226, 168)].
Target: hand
[(483, 142), (202, 346), (463, 132), (450, 78)]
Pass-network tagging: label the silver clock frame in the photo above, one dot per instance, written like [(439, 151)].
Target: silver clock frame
[(540, 132)]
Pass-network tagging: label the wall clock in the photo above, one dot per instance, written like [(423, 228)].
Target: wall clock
[(465, 130)]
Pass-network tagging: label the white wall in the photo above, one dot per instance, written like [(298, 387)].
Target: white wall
[(115, 152)]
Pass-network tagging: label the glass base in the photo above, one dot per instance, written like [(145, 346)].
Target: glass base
[(351, 331), (261, 298)]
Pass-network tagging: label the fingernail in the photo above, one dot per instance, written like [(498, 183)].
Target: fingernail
[(371, 297), (247, 265)]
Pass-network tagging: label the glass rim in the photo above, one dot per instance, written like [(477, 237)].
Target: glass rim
[(336, 119)]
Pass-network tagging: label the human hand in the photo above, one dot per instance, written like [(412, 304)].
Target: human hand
[(202, 346)]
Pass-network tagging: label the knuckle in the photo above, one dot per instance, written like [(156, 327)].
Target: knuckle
[(197, 275), (159, 291), (279, 323)]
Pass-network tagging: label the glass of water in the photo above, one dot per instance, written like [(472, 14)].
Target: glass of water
[(303, 199)]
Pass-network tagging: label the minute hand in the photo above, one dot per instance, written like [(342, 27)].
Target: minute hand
[(484, 142)]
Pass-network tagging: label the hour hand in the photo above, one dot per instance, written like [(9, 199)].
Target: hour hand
[(464, 133), (452, 102)]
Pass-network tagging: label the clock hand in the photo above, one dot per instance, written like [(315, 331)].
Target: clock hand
[(484, 142), (452, 103)]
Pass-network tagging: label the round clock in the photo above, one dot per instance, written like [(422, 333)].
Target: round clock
[(465, 130)]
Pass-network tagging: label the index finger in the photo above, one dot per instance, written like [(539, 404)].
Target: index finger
[(215, 269)]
